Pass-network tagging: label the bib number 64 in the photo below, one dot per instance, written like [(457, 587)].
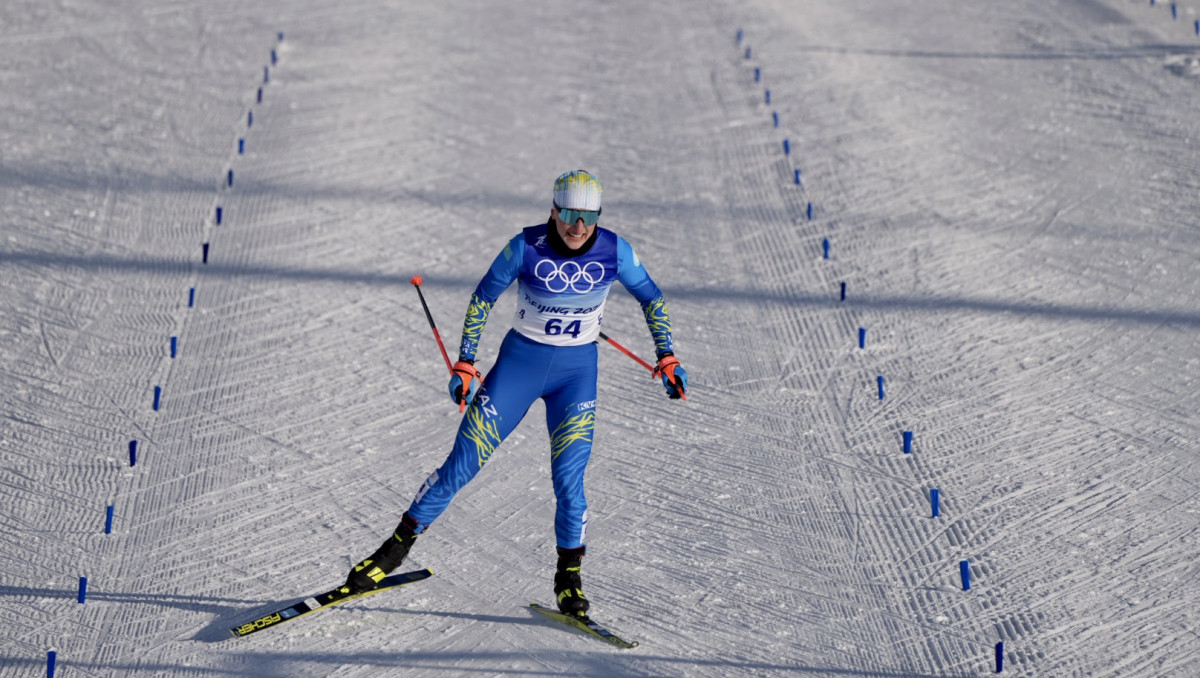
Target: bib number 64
[(555, 327)]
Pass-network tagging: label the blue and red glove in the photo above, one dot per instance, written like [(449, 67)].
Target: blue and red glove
[(674, 377), (464, 382)]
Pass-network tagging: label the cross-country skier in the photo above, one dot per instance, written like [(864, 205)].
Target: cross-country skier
[(564, 269)]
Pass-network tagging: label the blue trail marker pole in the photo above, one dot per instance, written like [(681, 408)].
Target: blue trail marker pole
[(204, 255), (757, 74), (775, 117), (739, 36), (108, 519), (796, 178), (259, 99), (825, 246), (935, 502), (879, 380), (747, 52), (174, 346), (1000, 657), (274, 57), (907, 442), (964, 569), (241, 146), (249, 118), (51, 658), (862, 337), (133, 453), (843, 291), (229, 181), (82, 590), (221, 212), (191, 297), (810, 209), (768, 96), (266, 74), (157, 397), (787, 147)]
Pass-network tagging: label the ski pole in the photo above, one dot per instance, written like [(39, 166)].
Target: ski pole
[(416, 281), (627, 352)]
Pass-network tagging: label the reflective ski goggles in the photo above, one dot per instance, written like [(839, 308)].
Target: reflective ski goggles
[(590, 217)]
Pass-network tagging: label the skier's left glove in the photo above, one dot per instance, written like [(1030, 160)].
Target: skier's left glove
[(464, 382), (674, 377)]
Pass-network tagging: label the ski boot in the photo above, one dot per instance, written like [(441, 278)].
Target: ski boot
[(367, 574), (568, 586)]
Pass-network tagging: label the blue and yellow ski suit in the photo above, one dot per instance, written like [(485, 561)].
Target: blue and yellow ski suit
[(551, 354)]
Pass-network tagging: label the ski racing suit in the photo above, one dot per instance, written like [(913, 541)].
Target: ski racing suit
[(551, 354)]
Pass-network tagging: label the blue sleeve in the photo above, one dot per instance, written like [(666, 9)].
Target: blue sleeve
[(499, 276), (634, 277)]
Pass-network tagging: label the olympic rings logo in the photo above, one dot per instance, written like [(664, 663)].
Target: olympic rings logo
[(558, 277)]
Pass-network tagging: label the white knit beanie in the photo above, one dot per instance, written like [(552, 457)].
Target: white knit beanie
[(577, 190)]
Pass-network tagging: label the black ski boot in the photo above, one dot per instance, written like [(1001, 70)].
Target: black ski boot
[(367, 574), (568, 586)]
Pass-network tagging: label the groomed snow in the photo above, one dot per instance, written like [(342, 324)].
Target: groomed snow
[(1010, 194)]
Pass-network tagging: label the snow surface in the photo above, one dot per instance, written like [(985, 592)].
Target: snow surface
[(1010, 191)]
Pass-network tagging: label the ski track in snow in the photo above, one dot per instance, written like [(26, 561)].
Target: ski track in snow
[(1009, 194)]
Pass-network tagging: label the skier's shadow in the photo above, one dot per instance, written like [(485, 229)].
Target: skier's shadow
[(183, 602), (216, 630), (489, 618), (531, 618)]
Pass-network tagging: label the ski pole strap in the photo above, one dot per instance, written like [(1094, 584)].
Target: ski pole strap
[(676, 385)]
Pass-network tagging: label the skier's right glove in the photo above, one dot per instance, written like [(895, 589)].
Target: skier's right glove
[(464, 382), (674, 377)]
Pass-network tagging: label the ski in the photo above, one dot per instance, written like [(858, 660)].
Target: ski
[(326, 600), (586, 625)]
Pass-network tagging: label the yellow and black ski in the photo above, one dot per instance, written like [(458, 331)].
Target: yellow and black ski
[(586, 625), (326, 600)]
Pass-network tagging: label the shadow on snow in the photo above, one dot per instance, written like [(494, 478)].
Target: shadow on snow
[(809, 300)]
